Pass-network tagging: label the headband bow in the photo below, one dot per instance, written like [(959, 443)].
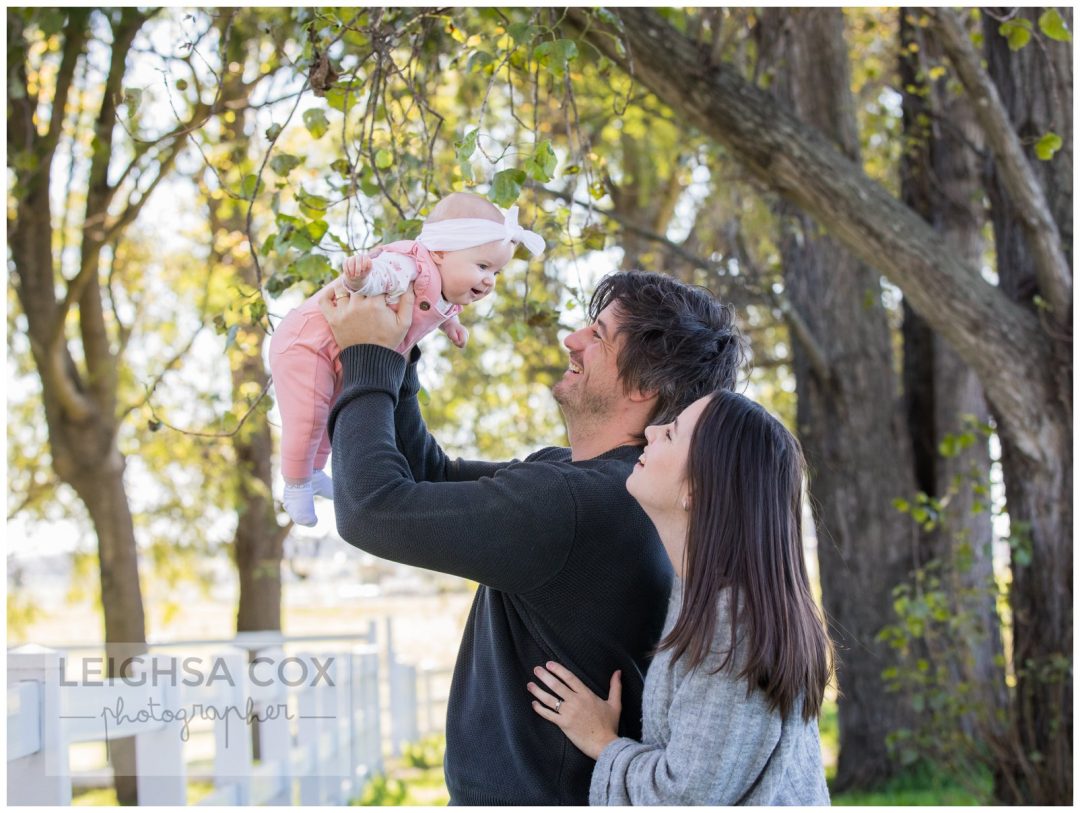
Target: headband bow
[(467, 232)]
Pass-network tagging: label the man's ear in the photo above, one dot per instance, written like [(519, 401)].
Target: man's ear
[(639, 397)]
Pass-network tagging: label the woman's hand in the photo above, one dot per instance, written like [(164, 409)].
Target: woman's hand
[(589, 722), (358, 319)]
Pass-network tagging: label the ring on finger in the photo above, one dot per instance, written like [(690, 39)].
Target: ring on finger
[(558, 705)]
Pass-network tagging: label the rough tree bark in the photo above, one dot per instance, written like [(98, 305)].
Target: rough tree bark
[(940, 179), (849, 420), (1025, 375), (1035, 87)]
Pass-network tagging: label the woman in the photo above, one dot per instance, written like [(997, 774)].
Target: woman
[(722, 724)]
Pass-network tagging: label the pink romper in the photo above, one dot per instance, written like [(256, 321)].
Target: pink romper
[(307, 371)]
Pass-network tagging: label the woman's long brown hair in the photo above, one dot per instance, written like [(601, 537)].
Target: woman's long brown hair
[(745, 475)]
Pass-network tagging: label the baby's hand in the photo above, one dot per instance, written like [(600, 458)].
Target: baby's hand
[(457, 333), (355, 270)]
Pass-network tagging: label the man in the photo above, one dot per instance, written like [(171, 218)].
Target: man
[(569, 566)]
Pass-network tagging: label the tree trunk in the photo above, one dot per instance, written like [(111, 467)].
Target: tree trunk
[(80, 407), (940, 180), (1025, 374), (850, 422), (1035, 85), (258, 542)]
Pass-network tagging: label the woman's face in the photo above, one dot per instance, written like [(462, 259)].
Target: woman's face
[(658, 480)]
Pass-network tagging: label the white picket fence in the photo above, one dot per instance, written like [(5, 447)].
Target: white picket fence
[(320, 741)]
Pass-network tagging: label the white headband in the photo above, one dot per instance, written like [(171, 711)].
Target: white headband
[(467, 232)]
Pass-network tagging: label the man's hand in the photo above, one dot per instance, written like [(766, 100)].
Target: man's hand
[(590, 722), (357, 319)]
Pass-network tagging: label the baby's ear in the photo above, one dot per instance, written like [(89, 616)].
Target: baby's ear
[(438, 257)]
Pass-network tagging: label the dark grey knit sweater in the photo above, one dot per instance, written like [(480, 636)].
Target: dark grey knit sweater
[(570, 569)]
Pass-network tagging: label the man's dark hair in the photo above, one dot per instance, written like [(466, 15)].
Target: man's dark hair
[(679, 341)]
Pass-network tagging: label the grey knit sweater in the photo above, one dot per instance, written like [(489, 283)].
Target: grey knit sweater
[(706, 743)]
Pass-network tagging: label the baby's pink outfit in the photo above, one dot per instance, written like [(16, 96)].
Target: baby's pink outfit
[(307, 372)]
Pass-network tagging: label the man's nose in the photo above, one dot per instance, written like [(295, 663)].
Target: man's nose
[(573, 341)]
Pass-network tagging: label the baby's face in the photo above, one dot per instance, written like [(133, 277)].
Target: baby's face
[(469, 275)]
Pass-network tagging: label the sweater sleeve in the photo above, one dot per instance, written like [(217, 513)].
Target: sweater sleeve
[(511, 531), (427, 461), (720, 743)]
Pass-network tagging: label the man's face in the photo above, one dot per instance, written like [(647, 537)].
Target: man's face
[(591, 385)]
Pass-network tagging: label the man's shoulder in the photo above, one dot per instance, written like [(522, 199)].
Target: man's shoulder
[(549, 454)]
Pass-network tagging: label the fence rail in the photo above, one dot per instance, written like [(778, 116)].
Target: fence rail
[(316, 718)]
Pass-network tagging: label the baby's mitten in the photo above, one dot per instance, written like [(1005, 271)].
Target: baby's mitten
[(300, 504), (322, 485)]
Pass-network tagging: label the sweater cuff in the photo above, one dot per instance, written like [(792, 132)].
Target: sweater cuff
[(372, 367), (410, 387)]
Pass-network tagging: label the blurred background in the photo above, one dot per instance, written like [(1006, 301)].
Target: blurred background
[(884, 195)]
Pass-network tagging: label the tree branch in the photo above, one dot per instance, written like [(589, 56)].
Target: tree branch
[(1051, 267), (1001, 340), (74, 38)]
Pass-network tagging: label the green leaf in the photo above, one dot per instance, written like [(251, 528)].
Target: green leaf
[(1051, 24), (248, 186), (556, 56), (506, 186), (340, 99), (901, 505), (467, 146), (315, 229), (181, 84), (541, 166), (522, 33), (316, 122), (594, 238), (272, 132), (313, 206), (1017, 31), (283, 163), (312, 267), (384, 159), (1046, 146), (478, 61), (340, 166)]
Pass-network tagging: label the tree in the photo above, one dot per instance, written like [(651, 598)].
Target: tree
[(1019, 362), (848, 406)]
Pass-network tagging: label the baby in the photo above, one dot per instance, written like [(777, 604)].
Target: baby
[(465, 242)]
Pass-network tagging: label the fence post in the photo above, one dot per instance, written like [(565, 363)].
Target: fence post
[(372, 712), (309, 729), (42, 777), (232, 734), (159, 755), (275, 739), (403, 728)]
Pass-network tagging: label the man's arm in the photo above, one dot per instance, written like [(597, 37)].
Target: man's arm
[(427, 461), (511, 531)]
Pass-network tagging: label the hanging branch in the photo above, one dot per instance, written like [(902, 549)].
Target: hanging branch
[(1051, 267)]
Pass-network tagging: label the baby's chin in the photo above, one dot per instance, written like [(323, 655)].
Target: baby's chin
[(466, 298)]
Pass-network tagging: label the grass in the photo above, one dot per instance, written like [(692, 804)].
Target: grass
[(920, 786)]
